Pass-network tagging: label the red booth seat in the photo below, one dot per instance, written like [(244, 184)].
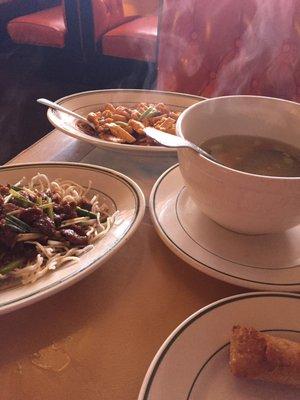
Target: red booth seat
[(42, 28), (117, 35), (136, 39)]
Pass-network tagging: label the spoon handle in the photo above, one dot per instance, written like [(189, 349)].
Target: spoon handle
[(174, 141), (56, 106)]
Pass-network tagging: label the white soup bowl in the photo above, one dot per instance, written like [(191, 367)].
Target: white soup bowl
[(239, 201)]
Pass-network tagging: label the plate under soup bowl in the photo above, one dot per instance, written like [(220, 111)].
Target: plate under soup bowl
[(241, 201)]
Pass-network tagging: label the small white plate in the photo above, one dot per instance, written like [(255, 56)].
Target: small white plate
[(192, 364), (85, 102), (264, 262), (118, 191)]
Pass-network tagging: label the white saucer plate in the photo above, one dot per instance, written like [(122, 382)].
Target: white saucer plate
[(193, 363), (117, 190), (263, 262), (85, 102)]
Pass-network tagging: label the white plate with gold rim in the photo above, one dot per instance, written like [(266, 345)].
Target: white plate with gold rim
[(263, 262), (193, 363), (85, 102), (117, 190)]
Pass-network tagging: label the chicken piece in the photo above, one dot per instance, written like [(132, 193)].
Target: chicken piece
[(137, 126), (135, 115), (154, 120), (121, 133), (166, 125), (107, 114), (110, 107), (108, 120), (92, 117), (162, 108), (123, 111), (119, 117), (174, 114)]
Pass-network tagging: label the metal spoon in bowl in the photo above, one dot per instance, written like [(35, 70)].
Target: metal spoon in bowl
[(173, 141), (56, 106)]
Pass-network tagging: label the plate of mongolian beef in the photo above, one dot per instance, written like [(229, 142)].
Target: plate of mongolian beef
[(58, 223)]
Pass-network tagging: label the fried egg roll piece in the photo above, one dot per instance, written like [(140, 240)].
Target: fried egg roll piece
[(257, 355)]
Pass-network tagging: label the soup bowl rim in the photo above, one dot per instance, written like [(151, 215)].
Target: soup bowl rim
[(223, 167)]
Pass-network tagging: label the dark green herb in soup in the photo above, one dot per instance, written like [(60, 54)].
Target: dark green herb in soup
[(256, 155)]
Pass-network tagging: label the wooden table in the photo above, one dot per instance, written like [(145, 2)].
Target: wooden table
[(96, 339)]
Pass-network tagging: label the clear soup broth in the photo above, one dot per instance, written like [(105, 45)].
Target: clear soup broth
[(255, 155)]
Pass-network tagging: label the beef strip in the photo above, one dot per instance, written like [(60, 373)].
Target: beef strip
[(66, 210), (85, 204), (56, 198), (78, 229), (7, 236), (37, 219), (73, 237), (9, 207), (26, 251), (4, 190)]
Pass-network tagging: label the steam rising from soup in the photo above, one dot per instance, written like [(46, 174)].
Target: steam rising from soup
[(255, 155)]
